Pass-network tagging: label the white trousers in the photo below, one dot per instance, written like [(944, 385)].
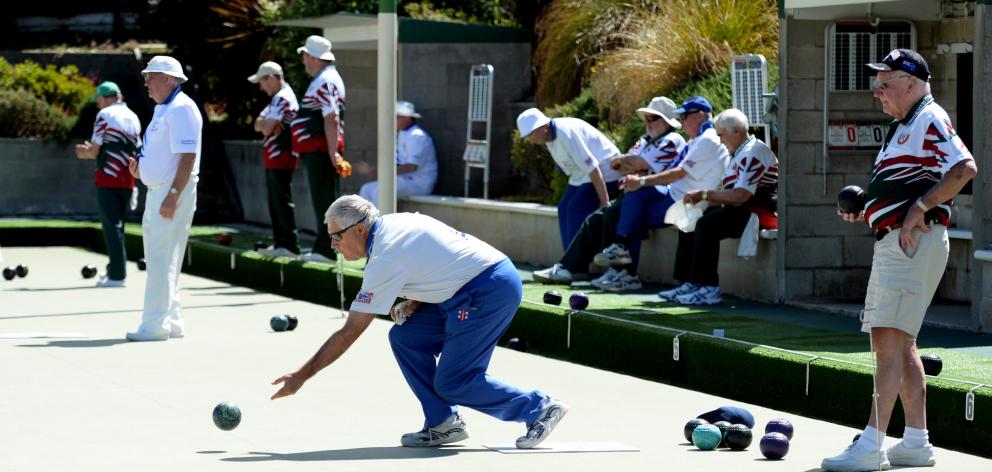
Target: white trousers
[(165, 247), (404, 188)]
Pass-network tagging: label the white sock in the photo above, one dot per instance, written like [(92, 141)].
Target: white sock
[(869, 441), (913, 437)]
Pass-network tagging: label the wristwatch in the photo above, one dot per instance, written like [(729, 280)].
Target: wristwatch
[(173, 191), (704, 194), (643, 181)]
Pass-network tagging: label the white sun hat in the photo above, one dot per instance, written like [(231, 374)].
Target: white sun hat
[(317, 46), (663, 107), (405, 108), (530, 120), (265, 70), (166, 65)]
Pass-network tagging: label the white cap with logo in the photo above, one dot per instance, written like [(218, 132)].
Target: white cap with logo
[(165, 65), (317, 46), (265, 70)]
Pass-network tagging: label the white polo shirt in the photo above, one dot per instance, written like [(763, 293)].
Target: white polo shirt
[(578, 148), (705, 161), (415, 146), (176, 128), (417, 257)]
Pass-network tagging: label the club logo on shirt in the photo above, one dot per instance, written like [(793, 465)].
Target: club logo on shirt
[(364, 297), (463, 314), (903, 138), (588, 161), (690, 163)]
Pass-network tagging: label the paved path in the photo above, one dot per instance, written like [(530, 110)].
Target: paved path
[(98, 403)]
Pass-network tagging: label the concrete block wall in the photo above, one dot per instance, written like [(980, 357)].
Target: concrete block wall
[(528, 233), (434, 76), (45, 178), (826, 257)]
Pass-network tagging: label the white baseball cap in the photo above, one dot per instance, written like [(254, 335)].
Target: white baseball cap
[(530, 120), (317, 46), (166, 65), (265, 70), (405, 108), (663, 107)]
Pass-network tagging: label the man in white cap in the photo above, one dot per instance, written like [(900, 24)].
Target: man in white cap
[(416, 161), (656, 151), (168, 165), (583, 153), (116, 137), (279, 159), (318, 137)]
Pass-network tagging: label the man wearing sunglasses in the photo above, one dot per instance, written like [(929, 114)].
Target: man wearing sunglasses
[(921, 166), (461, 295)]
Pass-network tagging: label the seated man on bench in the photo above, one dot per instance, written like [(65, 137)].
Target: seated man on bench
[(749, 187)]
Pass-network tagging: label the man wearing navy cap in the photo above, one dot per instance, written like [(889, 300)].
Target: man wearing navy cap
[(700, 164), (921, 166)]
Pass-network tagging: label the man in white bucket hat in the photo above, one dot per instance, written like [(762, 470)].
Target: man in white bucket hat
[(277, 156), (318, 137), (583, 153), (416, 160), (168, 165), (656, 151)]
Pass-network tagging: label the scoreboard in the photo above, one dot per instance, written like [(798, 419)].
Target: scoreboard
[(856, 135)]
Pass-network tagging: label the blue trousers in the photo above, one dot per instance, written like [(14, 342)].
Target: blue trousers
[(463, 331), (575, 205), (642, 210)]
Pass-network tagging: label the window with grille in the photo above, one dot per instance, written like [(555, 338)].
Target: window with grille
[(855, 43)]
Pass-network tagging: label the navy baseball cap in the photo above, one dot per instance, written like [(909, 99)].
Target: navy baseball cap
[(696, 103), (906, 60)]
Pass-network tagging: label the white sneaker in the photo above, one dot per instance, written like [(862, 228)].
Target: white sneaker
[(273, 251), (107, 282), (555, 274), (614, 255), (623, 282), (177, 332), (142, 335), (315, 257), (680, 290), (856, 459), (452, 430), (704, 295), (911, 456), (552, 413), (605, 278)]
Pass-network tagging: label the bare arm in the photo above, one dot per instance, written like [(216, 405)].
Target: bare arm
[(331, 133), (183, 174), (330, 351), (87, 150), (735, 196), (268, 127), (600, 185), (949, 186), (405, 168), (629, 164), (633, 183)]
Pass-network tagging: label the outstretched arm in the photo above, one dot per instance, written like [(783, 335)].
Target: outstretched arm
[(337, 344)]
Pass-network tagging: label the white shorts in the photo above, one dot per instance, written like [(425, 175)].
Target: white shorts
[(901, 287)]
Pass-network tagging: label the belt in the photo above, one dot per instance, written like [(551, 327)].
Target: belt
[(882, 232)]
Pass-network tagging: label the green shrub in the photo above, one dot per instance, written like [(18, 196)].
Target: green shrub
[(24, 115), (63, 87)]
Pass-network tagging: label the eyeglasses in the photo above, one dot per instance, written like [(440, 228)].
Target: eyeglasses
[(885, 84), (339, 235), (688, 113)]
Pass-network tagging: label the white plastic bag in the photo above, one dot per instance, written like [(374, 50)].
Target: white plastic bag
[(749, 238), (684, 216)]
